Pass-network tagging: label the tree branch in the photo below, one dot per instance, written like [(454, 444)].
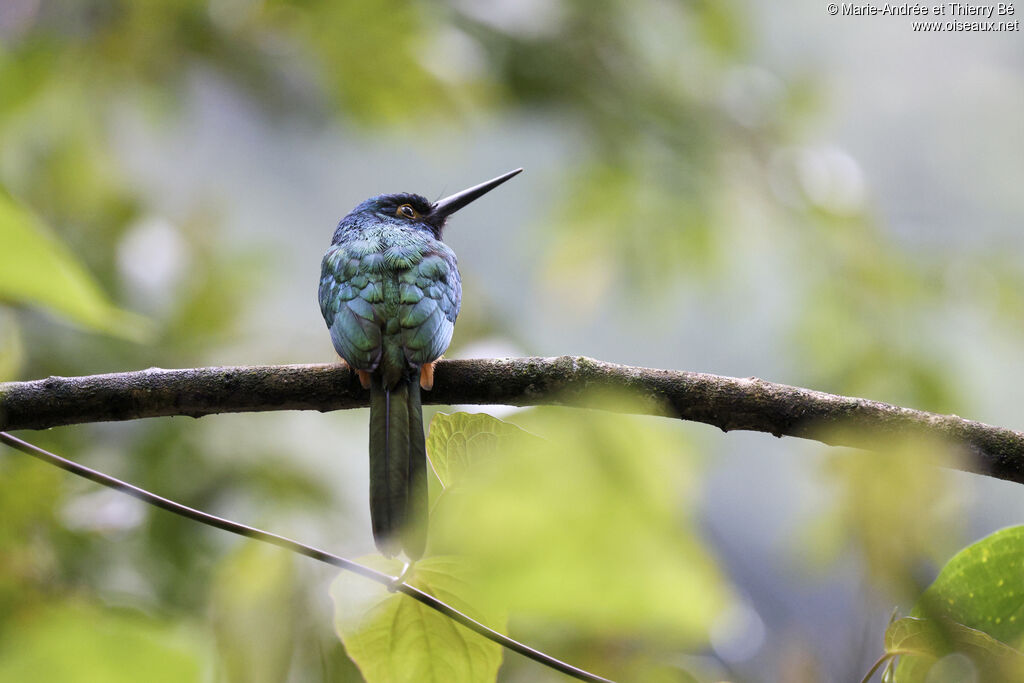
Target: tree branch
[(725, 402)]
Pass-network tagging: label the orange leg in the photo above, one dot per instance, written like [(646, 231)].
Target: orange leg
[(427, 375)]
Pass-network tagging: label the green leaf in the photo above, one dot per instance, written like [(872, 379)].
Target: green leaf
[(971, 616), (458, 440), (981, 587), (78, 643), (947, 651), (38, 270), (587, 528), (393, 638)]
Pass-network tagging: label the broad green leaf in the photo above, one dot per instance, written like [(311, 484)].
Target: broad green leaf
[(982, 587), (82, 644), (395, 639), (588, 528), (935, 651), (253, 610), (458, 440), (973, 612), (37, 270)]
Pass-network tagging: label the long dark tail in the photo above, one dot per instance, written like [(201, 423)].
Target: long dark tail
[(398, 468)]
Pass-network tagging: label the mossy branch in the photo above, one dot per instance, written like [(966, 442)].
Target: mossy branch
[(725, 402)]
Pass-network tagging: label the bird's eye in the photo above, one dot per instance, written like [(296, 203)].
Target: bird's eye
[(407, 211)]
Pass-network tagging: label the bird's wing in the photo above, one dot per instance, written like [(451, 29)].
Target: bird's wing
[(430, 294), (348, 299)]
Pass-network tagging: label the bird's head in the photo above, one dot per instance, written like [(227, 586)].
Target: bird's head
[(412, 209)]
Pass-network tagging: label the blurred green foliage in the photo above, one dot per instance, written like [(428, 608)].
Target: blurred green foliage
[(83, 644), (254, 608), (607, 504), (896, 507), (36, 269), (585, 526), (677, 140)]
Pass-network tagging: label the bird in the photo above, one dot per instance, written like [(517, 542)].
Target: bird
[(390, 291)]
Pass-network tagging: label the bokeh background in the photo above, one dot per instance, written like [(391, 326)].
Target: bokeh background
[(731, 187)]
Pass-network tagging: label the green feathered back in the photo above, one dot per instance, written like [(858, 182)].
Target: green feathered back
[(390, 293)]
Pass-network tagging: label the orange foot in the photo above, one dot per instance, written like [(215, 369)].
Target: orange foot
[(364, 378), (427, 375)]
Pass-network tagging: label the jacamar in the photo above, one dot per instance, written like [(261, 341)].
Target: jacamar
[(390, 291)]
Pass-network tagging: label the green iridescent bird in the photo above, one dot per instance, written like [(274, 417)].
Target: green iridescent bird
[(390, 292)]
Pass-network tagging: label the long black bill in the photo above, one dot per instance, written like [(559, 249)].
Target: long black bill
[(449, 205)]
